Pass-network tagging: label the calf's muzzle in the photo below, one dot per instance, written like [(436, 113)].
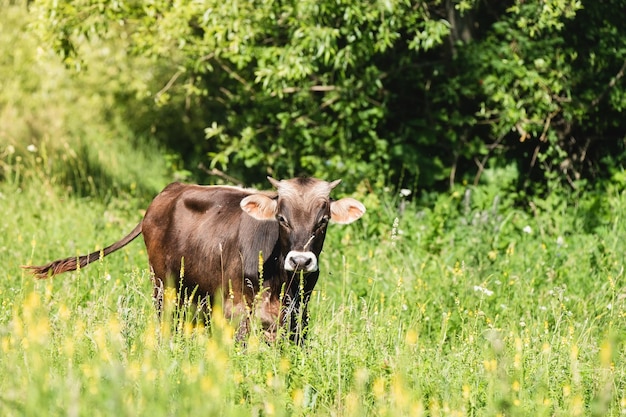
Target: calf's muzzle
[(297, 261)]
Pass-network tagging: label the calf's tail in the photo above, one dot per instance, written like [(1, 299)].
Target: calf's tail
[(72, 263)]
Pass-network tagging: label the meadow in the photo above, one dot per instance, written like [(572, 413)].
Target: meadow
[(468, 306), (474, 302)]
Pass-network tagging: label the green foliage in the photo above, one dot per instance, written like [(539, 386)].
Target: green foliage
[(66, 129), (424, 94), (544, 100)]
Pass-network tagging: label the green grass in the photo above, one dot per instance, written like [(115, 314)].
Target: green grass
[(454, 310)]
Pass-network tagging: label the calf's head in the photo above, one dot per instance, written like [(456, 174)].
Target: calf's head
[(302, 209)]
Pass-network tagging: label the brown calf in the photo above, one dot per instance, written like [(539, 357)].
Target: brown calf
[(217, 235)]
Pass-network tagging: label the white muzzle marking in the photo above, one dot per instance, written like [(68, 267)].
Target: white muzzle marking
[(301, 261)]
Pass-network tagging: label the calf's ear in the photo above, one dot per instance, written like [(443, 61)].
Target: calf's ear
[(346, 210), (259, 206)]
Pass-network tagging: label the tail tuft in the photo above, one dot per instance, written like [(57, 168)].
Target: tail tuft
[(52, 268)]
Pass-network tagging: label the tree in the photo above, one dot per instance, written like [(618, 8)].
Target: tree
[(410, 93)]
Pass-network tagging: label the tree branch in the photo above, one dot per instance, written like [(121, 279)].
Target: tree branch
[(481, 163), (318, 88), (233, 73), (610, 85), (216, 172), (169, 84)]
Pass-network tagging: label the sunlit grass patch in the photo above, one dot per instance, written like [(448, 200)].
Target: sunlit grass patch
[(436, 318)]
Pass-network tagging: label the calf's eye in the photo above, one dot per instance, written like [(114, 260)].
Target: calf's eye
[(323, 221), (281, 219)]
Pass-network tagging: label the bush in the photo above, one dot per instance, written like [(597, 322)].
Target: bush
[(420, 96)]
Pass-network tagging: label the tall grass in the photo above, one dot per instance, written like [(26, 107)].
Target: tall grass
[(484, 311)]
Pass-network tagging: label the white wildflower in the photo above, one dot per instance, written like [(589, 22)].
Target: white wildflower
[(560, 241), (527, 229), (10, 150), (483, 290), (31, 148), (405, 192)]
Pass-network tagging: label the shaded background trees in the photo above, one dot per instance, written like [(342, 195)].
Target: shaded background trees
[(413, 94)]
